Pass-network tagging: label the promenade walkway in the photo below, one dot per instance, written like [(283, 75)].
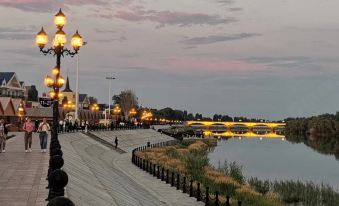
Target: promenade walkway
[(22, 175), (101, 176)]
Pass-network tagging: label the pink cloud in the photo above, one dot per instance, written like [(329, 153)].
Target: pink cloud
[(47, 5), (169, 17), (214, 65)]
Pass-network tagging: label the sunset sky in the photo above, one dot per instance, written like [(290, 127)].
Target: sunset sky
[(257, 58)]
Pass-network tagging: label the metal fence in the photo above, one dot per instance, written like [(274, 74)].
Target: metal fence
[(175, 179)]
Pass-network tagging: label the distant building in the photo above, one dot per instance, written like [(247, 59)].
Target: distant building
[(69, 95), (11, 86), (84, 101)]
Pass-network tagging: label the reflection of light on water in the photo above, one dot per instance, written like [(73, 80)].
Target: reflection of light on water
[(240, 138), (283, 139), (248, 134)]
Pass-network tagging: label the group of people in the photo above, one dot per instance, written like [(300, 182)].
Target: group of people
[(28, 127)]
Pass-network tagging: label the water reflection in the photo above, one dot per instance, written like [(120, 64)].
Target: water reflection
[(277, 159), (328, 145)]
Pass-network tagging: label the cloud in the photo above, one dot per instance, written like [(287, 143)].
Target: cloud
[(218, 38), (138, 14), (235, 9), (47, 5), (104, 31), (225, 2), (282, 62), (199, 64), (18, 33), (120, 39)]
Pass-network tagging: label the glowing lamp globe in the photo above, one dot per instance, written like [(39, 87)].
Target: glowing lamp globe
[(52, 94), (41, 39), (77, 41), (60, 95), (60, 19), (49, 82), (61, 81), (59, 39), (55, 71)]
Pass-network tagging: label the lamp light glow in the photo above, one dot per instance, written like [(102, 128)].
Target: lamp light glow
[(77, 41), (60, 19), (41, 39)]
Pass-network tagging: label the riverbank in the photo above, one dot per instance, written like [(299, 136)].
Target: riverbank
[(190, 159)]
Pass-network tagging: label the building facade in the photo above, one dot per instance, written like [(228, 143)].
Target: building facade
[(11, 86)]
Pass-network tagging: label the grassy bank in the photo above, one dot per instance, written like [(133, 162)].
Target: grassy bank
[(190, 159)]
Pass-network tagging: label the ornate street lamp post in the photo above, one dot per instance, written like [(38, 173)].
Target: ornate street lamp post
[(57, 178)]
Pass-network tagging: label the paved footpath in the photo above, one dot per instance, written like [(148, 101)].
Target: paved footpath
[(101, 176), (22, 175)]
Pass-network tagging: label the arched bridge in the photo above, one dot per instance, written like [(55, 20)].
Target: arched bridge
[(238, 128), (236, 124)]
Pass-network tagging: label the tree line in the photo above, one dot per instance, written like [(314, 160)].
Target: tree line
[(318, 132)]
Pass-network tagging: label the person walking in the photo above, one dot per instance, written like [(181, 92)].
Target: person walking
[(3, 135), (43, 134), (116, 142), (28, 128)]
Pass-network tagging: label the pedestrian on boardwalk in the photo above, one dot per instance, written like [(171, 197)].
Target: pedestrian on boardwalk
[(3, 135), (43, 134), (28, 128), (116, 142)]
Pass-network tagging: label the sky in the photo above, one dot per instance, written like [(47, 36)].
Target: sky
[(267, 59)]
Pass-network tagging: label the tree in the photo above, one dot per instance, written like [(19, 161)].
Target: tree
[(92, 100), (217, 117), (127, 100), (32, 94)]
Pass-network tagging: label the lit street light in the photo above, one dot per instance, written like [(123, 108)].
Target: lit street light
[(57, 178)]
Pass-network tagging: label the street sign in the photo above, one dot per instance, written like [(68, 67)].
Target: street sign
[(45, 101)]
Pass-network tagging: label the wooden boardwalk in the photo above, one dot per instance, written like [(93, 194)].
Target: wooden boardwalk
[(23, 175)]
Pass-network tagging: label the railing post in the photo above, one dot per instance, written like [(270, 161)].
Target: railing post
[(228, 201), (154, 171), (162, 174), (172, 179), (143, 165), (147, 165), (198, 192), (191, 188), (178, 181), (167, 176), (207, 202), (184, 185), (216, 198), (158, 175), (150, 168), (239, 203)]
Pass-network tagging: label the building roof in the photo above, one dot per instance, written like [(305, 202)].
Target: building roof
[(67, 88), (6, 76), (82, 97)]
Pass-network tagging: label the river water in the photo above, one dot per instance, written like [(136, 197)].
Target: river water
[(277, 159)]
